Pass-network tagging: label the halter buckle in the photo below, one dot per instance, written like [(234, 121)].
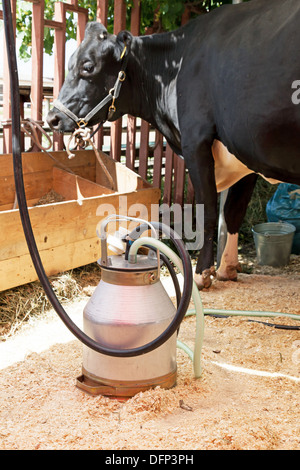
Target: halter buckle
[(81, 123), (112, 107), (122, 76)]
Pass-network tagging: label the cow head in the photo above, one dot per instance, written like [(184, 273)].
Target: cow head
[(93, 70)]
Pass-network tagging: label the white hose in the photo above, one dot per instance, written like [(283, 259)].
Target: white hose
[(196, 355), (246, 313)]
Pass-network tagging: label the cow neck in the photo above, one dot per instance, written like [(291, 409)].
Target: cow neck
[(153, 66)]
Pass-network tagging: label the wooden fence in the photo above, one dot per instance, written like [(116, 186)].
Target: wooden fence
[(130, 139)]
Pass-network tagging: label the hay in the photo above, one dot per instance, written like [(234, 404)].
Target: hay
[(18, 305), (50, 198)]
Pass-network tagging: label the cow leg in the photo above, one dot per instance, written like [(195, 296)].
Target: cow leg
[(201, 169), (235, 208), (229, 265)]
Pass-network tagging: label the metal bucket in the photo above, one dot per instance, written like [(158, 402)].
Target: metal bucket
[(273, 243)]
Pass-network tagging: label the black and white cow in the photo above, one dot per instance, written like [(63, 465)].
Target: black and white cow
[(219, 89)]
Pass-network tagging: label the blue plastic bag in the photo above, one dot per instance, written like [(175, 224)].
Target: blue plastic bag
[(284, 206)]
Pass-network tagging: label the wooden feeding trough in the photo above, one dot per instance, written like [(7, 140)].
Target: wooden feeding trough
[(67, 199)]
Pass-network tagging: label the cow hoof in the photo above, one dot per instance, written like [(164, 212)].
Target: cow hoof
[(204, 280), (229, 273)]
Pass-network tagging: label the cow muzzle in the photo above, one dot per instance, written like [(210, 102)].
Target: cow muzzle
[(56, 121)]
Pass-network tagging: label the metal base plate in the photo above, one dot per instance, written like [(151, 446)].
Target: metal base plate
[(122, 389)]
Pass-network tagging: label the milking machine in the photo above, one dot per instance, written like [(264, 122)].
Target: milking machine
[(130, 324), (131, 310)]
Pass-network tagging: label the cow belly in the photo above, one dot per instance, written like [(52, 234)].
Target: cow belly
[(228, 169), (270, 180)]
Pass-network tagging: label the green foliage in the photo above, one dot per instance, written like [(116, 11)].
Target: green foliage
[(169, 12), (24, 11), (165, 13)]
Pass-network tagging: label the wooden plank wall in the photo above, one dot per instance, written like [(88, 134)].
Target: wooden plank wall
[(167, 170)]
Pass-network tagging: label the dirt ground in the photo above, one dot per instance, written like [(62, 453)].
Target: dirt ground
[(247, 398)]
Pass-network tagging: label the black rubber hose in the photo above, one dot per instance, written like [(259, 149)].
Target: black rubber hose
[(30, 239)]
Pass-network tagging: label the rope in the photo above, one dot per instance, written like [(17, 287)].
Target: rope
[(82, 137), (29, 127)]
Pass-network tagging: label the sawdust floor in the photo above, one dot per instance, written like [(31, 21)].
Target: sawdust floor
[(253, 405)]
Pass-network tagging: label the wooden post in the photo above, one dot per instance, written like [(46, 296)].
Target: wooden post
[(59, 61), (7, 130), (144, 149), (131, 123), (102, 11), (179, 178), (116, 127), (131, 141), (101, 16), (81, 24), (37, 35)]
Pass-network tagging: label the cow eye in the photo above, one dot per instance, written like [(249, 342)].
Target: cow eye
[(87, 68)]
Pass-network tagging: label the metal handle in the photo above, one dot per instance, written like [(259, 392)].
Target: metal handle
[(103, 235)]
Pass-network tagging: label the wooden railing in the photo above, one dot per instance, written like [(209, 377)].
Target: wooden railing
[(167, 170)]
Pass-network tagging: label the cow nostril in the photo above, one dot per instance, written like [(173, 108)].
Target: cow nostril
[(53, 121)]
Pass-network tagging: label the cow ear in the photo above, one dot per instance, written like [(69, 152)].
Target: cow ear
[(124, 38), (95, 29)]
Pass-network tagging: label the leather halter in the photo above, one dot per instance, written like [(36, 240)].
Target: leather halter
[(112, 96)]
